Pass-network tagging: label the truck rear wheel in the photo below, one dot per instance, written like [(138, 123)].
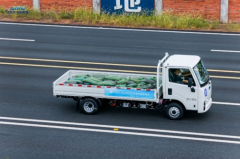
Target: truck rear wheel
[(174, 111), (89, 106)]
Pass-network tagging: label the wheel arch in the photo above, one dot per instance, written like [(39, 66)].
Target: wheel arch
[(169, 101), (98, 100)]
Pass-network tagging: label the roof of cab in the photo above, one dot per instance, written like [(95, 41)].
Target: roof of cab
[(182, 60)]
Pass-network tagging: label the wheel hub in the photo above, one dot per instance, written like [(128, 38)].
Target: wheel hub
[(88, 107), (174, 112)]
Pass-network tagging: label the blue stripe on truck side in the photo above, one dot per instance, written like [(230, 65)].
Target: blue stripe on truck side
[(113, 92)]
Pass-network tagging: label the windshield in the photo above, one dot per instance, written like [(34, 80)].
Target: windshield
[(201, 73)]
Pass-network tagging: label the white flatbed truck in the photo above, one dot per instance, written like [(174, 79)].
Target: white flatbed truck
[(174, 94)]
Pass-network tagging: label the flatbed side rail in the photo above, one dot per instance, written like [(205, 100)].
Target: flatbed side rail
[(159, 71), (61, 78)]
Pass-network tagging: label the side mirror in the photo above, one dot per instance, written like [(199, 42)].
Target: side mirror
[(190, 82)]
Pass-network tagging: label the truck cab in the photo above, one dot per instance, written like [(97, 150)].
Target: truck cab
[(185, 85)]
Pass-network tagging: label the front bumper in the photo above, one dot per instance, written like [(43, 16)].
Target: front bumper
[(207, 106)]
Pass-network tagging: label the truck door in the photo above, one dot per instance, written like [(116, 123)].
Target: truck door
[(177, 87)]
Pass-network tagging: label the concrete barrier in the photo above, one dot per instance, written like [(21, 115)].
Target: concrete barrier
[(36, 5), (97, 6), (224, 11)]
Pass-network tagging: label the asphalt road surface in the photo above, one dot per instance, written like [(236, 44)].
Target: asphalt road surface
[(34, 124)]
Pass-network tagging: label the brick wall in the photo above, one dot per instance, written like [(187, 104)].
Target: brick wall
[(234, 11), (210, 9), (47, 4), (10, 3), (64, 4)]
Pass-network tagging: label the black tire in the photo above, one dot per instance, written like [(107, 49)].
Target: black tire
[(78, 103), (99, 102), (75, 98), (89, 106), (174, 111)]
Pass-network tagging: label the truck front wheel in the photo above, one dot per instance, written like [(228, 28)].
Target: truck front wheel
[(89, 106), (174, 111)]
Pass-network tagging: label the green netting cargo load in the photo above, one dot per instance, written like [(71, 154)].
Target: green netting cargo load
[(138, 79), (115, 78), (91, 81), (122, 81), (133, 85), (106, 83), (114, 81), (142, 85), (80, 76), (123, 85), (130, 82), (148, 81), (97, 79), (99, 75)]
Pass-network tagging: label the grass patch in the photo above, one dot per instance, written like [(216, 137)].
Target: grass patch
[(233, 27), (32, 14), (83, 15), (167, 20), (66, 15), (2, 10)]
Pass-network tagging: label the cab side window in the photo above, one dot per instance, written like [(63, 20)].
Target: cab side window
[(181, 76)]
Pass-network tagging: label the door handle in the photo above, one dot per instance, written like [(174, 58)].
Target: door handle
[(192, 89), (169, 91)]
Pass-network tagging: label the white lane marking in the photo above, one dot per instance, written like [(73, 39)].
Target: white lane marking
[(122, 29), (224, 103), (121, 127), (11, 39), (121, 132), (225, 51)]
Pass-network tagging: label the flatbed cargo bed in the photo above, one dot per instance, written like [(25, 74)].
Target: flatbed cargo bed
[(105, 92)]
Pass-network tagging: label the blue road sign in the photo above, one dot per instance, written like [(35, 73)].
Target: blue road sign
[(127, 6)]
